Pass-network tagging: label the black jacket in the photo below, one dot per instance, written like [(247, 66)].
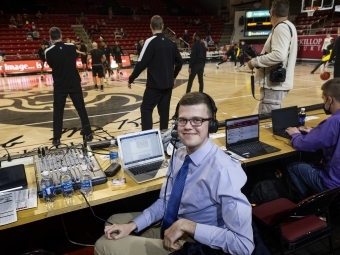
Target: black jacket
[(186, 38), (163, 60), (198, 53), (61, 57), (336, 49)]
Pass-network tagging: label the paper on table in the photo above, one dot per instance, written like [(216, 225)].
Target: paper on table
[(26, 198), (8, 212)]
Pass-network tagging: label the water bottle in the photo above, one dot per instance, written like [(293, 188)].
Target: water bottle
[(47, 187), (85, 181), (66, 183), (113, 152), (302, 117)]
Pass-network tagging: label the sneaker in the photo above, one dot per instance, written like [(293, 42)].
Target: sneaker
[(96, 87), (121, 73), (235, 67), (101, 88), (217, 66)]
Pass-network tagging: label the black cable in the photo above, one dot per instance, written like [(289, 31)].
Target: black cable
[(281, 140), (87, 202), (9, 159)]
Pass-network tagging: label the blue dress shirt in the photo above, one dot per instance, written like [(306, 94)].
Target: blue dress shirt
[(324, 137), (211, 197)]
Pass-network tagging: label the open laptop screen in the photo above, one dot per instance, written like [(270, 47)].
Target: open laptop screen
[(140, 147), (242, 130)]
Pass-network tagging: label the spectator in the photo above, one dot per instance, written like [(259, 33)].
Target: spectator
[(32, 55), (39, 15), (33, 26), (20, 23), (122, 33), (2, 60), (29, 36), (12, 22), (47, 44), (257, 5), (117, 33), (27, 26)]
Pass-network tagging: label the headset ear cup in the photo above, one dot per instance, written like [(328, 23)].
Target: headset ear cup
[(213, 126)]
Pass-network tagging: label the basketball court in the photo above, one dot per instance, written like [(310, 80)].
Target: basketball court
[(26, 104)]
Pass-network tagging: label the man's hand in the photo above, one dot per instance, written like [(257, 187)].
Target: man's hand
[(173, 233), (292, 130), (305, 129), (250, 65), (189, 70), (119, 231)]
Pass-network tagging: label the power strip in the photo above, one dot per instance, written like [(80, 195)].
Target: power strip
[(25, 161)]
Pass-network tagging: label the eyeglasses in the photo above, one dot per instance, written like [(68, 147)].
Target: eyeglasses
[(195, 122)]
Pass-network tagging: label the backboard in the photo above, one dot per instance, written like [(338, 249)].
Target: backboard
[(320, 5)]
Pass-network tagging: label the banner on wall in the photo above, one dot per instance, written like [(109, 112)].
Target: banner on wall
[(310, 46), (27, 66)]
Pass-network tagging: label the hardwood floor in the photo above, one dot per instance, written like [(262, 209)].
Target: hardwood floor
[(26, 103)]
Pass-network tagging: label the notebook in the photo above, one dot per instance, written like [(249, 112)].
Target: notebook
[(284, 118), (142, 155), (13, 178), (242, 137)]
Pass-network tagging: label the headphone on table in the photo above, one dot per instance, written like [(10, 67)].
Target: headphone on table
[(213, 123)]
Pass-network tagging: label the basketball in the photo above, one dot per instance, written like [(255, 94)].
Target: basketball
[(225, 57), (325, 76)]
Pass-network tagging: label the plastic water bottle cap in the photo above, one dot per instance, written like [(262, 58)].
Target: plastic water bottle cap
[(64, 169), (45, 173), (83, 167), (113, 142), (303, 109)]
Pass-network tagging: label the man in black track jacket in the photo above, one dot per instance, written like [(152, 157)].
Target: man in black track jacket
[(163, 60)]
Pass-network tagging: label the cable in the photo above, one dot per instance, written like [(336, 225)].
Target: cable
[(281, 141), (87, 202), (62, 219)]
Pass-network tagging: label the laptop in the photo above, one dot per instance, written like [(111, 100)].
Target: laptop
[(284, 118), (242, 137), (13, 178), (142, 155)]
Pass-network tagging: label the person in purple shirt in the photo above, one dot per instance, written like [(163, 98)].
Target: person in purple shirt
[(324, 137), (213, 211)]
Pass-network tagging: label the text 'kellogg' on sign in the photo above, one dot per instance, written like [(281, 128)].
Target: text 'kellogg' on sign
[(27, 66)]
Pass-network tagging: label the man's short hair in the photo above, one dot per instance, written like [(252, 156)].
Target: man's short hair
[(156, 22), (94, 45), (280, 8), (198, 34), (331, 88), (195, 98), (55, 33)]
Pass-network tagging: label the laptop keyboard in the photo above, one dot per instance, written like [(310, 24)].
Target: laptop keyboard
[(249, 147), (137, 170)]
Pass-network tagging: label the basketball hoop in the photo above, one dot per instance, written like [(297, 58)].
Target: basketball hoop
[(310, 13)]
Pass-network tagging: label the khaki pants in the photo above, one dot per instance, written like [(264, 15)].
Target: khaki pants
[(272, 100), (148, 243)]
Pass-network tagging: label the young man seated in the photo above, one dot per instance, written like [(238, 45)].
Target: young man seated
[(200, 200), (325, 137)]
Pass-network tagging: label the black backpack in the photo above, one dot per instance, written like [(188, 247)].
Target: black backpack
[(267, 190)]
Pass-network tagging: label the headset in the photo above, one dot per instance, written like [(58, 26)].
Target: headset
[(213, 123)]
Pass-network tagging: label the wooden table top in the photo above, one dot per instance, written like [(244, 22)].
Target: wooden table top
[(103, 193)]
